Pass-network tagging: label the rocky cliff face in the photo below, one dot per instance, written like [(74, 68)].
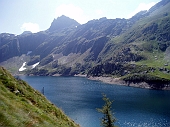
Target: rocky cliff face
[(12, 45), (62, 23), (69, 48)]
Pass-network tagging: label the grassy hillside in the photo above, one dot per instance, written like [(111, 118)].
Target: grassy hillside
[(21, 105)]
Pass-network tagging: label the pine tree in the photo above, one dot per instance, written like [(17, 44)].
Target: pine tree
[(108, 119)]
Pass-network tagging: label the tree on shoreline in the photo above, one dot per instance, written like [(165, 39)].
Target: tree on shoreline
[(108, 119)]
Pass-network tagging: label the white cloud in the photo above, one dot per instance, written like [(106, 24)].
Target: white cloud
[(141, 7), (71, 11), (33, 27)]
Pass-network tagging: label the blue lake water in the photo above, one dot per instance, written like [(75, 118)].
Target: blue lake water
[(79, 97)]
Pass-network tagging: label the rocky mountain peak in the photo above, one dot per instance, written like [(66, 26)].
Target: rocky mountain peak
[(62, 22), (26, 32)]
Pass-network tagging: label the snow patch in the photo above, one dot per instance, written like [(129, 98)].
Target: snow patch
[(33, 66), (22, 67)]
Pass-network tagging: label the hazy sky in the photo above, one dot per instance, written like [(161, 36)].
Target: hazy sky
[(17, 16)]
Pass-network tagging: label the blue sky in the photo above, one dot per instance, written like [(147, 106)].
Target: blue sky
[(36, 15)]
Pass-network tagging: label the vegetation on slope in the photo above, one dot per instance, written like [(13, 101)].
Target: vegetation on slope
[(21, 105), (97, 48), (155, 77)]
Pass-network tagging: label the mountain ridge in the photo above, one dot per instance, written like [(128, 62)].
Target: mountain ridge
[(71, 48), (62, 22)]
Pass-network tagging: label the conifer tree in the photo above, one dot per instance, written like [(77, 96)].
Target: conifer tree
[(108, 119)]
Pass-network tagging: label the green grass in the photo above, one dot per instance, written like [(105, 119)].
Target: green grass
[(156, 60), (153, 59), (28, 107), (160, 74)]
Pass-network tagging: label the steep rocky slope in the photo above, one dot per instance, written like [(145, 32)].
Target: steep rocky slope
[(68, 48)]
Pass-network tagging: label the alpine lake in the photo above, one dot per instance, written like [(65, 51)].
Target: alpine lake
[(79, 97)]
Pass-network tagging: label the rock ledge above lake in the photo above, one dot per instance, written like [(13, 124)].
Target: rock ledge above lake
[(119, 81)]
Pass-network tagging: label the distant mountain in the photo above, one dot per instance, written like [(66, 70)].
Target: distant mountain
[(62, 22), (26, 32), (110, 47)]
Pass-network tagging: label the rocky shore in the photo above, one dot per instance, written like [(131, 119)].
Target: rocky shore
[(118, 81)]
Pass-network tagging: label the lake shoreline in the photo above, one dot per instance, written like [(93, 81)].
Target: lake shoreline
[(118, 81), (115, 81)]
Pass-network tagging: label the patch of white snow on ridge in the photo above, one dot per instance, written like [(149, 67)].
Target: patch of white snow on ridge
[(22, 67), (33, 66)]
